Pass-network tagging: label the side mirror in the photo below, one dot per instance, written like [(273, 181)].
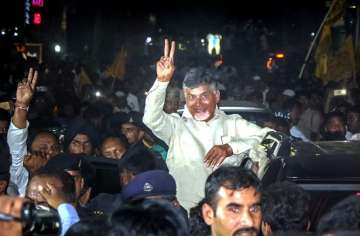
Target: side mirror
[(277, 144)]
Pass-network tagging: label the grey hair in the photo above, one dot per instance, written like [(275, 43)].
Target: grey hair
[(197, 76)]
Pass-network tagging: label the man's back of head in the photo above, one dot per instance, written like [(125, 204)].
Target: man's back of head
[(285, 207), (150, 217), (344, 216)]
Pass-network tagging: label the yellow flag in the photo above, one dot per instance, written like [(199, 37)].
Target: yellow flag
[(84, 78), (117, 69), (324, 52), (341, 64)]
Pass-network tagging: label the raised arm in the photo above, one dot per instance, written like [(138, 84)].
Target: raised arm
[(155, 118), (165, 67), (18, 132), (24, 94)]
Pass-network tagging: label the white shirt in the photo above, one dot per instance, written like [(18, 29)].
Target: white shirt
[(352, 137), (16, 139), (133, 102), (189, 141), (295, 132)]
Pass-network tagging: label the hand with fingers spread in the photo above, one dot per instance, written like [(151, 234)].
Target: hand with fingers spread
[(217, 154), (165, 66), (53, 196), (34, 161)]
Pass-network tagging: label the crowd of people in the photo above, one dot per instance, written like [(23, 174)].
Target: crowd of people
[(174, 175)]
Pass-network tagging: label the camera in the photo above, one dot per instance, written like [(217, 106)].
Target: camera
[(36, 219), (40, 220)]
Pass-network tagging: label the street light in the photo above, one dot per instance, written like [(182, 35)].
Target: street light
[(148, 40), (57, 48)]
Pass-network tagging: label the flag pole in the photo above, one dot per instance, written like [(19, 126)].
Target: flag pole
[(308, 54), (356, 44)]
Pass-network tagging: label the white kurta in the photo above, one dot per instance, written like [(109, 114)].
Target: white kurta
[(189, 140)]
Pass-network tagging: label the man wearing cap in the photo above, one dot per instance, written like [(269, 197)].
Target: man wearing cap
[(152, 184), (80, 138), (138, 134), (204, 137)]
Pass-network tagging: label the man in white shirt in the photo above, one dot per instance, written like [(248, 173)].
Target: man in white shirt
[(43, 146), (204, 137)]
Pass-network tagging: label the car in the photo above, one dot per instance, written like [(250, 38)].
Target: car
[(326, 169), (250, 111)]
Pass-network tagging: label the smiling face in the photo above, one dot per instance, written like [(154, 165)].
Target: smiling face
[(237, 213), (201, 102)]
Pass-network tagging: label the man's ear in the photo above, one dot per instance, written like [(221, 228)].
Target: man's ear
[(217, 94), (266, 229), (208, 214), (141, 134)]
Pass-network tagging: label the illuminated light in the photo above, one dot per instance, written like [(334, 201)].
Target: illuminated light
[(16, 34), (97, 94), (280, 55), (214, 43), (16, 28), (3, 32), (148, 40), (37, 19), (202, 40), (57, 48), (37, 3), (353, 6), (312, 34)]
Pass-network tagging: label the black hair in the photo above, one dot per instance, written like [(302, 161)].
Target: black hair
[(138, 160), (96, 226), (4, 115), (290, 104), (197, 224), (197, 76), (344, 216), (285, 207), (68, 188), (80, 126), (355, 109), (230, 177), (118, 136), (33, 133), (150, 217), (333, 114)]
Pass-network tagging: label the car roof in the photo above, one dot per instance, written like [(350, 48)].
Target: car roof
[(239, 106), (328, 148)]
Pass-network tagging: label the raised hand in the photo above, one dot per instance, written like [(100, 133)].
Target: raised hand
[(165, 66), (26, 88)]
